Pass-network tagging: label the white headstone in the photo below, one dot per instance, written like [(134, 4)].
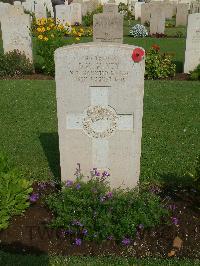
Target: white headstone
[(192, 52), (63, 14), (110, 8), (40, 10), (145, 13), (29, 5), (16, 34), (100, 109), (138, 10), (4, 7), (76, 13), (108, 27), (181, 15), (157, 20)]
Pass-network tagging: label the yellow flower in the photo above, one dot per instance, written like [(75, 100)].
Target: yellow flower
[(81, 30), (46, 39), (40, 37), (79, 34), (52, 35), (48, 28), (39, 29), (78, 39)]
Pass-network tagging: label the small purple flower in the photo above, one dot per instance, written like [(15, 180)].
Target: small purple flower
[(78, 241), (69, 183), (175, 220), (110, 237), (78, 186), (105, 174), (85, 232), (126, 241), (34, 197), (96, 173), (109, 195)]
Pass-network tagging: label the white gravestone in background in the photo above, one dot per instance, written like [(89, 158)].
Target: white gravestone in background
[(40, 10), (157, 20), (145, 13), (4, 7), (192, 52), (181, 15), (110, 8), (108, 27), (16, 34), (76, 13), (29, 5), (138, 6), (100, 109), (63, 14)]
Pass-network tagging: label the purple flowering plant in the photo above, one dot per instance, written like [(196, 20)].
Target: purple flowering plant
[(93, 211)]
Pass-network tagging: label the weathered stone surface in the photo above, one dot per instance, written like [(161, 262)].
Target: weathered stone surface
[(108, 28), (76, 14), (138, 6), (145, 13), (157, 20), (110, 8), (192, 53), (4, 9), (195, 7), (100, 108), (63, 14), (29, 5), (181, 15), (40, 10), (16, 33), (89, 6)]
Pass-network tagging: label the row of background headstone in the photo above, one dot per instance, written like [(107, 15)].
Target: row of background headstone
[(107, 27)]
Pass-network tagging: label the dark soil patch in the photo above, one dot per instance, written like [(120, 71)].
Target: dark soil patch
[(29, 233)]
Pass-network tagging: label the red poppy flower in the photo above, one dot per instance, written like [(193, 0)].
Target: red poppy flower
[(156, 47), (138, 55)]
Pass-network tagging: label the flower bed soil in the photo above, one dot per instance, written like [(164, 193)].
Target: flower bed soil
[(29, 234)]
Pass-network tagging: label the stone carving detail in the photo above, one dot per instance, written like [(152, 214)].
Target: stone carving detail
[(100, 117)]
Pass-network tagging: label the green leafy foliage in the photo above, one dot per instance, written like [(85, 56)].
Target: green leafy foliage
[(91, 210), (14, 193), (123, 9), (88, 18), (14, 64), (195, 75), (158, 65)]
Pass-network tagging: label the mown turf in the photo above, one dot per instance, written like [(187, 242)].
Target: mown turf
[(171, 127), (7, 259)]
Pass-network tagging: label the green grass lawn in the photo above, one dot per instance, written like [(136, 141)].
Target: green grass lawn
[(7, 259), (171, 127)]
